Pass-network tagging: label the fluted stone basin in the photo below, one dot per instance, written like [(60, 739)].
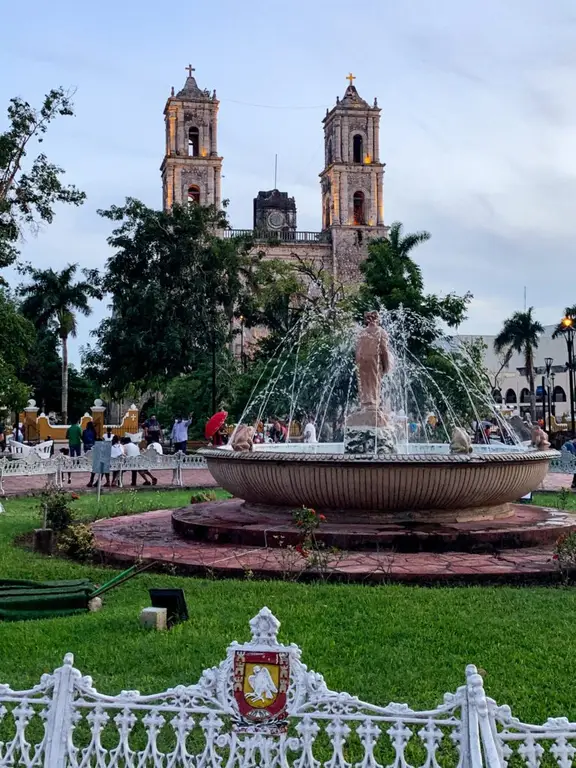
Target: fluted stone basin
[(411, 486)]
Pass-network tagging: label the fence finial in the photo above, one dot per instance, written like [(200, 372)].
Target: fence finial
[(264, 627)]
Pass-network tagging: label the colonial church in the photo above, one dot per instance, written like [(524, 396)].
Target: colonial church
[(351, 181)]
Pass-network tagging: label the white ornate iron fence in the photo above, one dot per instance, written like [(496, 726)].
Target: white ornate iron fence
[(56, 469), (263, 708), (565, 464)]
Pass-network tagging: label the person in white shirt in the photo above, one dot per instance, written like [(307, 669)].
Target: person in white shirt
[(310, 432), (131, 450), (108, 437), (179, 435)]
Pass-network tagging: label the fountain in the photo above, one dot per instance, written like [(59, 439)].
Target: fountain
[(378, 491)]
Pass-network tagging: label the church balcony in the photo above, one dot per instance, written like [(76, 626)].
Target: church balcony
[(288, 236)]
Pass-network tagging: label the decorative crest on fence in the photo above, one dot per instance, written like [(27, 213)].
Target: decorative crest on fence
[(262, 708)]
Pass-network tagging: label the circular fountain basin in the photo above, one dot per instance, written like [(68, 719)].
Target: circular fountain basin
[(423, 483)]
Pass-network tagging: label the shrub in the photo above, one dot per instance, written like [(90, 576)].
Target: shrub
[(563, 498), (565, 554), (200, 496), (55, 508), (77, 541)]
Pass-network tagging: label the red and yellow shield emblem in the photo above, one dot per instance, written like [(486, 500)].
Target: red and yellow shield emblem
[(261, 681)]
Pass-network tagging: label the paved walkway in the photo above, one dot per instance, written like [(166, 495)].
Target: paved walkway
[(193, 478)]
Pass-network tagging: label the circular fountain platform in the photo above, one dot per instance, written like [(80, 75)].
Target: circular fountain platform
[(420, 486), (233, 522)]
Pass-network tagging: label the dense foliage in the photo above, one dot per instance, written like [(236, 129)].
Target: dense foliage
[(51, 301)]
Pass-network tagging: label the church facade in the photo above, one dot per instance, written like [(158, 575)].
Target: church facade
[(351, 182)]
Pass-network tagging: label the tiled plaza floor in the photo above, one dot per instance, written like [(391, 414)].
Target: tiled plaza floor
[(193, 478)]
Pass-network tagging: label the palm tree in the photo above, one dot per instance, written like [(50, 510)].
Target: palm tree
[(520, 333), (51, 301), (391, 275)]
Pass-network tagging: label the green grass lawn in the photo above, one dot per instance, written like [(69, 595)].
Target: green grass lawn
[(382, 643)]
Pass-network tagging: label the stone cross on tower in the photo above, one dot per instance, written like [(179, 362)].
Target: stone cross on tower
[(190, 69), (351, 78)]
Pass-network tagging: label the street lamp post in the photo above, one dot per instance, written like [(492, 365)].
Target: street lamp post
[(546, 395), (553, 388), (242, 360), (568, 330)]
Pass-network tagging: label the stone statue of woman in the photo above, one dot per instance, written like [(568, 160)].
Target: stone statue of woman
[(374, 361)]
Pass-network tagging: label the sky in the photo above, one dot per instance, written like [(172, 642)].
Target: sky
[(478, 123)]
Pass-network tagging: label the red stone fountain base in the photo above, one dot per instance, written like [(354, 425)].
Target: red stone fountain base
[(236, 522), (530, 533)]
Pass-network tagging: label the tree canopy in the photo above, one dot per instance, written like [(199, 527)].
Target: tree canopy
[(28, 193), (176, 286), (16, 341)]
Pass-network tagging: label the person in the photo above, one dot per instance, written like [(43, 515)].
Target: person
[(220, 437), (108, 437), (74, 437), (152, 430), (130, 451), (310, 431), (52, 449), (179, 435), (17, 433), (117, 452), (2, 436), (278, 432), (89, 437)]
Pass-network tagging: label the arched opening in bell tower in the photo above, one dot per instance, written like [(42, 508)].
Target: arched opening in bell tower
[(193, 194), (327, 221), (357, 148), (193, 142), (358, 203), (329, 153)]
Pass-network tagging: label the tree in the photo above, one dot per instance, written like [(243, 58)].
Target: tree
[(16, 341), (51, 301), (27, 197), (520, 333), (176, 287), (439, 368)]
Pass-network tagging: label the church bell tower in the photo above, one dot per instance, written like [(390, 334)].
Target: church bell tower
[(191, 169), (353, 176)]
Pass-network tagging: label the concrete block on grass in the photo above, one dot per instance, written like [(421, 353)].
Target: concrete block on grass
[(154, 618)]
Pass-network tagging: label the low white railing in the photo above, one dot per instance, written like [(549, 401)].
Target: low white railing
[(262, 708), (565, 464), (57, 468)]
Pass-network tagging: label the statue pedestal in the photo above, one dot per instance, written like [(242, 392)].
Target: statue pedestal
[(367, 440)]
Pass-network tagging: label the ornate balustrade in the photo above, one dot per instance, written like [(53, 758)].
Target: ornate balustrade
[(263, 707), (57, 467), (280, 236)]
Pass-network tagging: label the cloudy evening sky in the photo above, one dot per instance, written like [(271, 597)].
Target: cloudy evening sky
[(478, 125)]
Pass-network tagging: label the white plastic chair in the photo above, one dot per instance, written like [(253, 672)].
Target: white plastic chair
[(19, 449), (44, 450)]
